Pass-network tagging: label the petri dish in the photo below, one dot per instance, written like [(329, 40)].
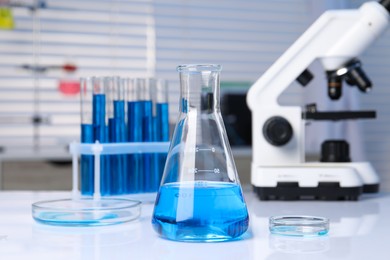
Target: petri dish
[(296, 225), (86, 211)]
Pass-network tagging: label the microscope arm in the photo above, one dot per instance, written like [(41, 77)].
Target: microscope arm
[(335, 38)]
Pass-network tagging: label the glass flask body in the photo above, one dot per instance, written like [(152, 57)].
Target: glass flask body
[(200, 197)]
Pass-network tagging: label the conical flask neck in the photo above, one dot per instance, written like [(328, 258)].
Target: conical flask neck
[(199, 88)]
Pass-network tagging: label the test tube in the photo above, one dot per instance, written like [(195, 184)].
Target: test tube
[(101, 129), (162, 113), (147, 133), (99, 109), (117, 133), (161, 126), (134, 180), (87, 136)]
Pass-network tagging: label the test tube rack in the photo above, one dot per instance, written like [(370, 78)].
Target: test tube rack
[(98, 149)]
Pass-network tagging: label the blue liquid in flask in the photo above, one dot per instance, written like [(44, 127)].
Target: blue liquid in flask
[(200, 211)]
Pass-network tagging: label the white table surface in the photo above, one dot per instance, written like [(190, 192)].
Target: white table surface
[(358, 230)]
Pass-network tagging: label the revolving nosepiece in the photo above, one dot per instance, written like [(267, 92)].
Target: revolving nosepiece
[(353, 74)]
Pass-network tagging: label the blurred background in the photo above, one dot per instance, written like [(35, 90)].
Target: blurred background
[(46, 45)]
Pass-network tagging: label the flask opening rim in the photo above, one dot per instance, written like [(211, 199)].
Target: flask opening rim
[(199, 67)]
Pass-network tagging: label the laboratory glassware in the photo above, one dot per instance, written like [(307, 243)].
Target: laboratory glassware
[(101, 89), (135, 133), (299, 225), (93, 128), (134, 130), (86, 211), (200, 198), (99, 109), (145, 87), (87, 135), (117, 132), (161, 113)]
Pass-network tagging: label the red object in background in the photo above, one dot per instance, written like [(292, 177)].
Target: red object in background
[(69, 87), (69, 67)]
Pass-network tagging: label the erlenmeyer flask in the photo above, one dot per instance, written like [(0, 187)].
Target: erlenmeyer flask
[(200, 198)]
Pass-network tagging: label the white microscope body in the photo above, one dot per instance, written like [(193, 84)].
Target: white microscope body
[(278, 166)]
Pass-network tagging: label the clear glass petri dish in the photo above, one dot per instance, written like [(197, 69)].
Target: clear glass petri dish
[(296, 225), (86, 211)]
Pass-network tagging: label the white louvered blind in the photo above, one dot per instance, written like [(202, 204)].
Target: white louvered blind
[(99, 37), (245, 37), (132, 38)]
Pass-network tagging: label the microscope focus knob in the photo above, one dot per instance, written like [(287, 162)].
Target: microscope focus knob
[(277, 131), (335, 151)]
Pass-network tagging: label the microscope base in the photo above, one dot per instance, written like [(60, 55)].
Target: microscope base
[(319, 181), (293, 192), (371, 188)]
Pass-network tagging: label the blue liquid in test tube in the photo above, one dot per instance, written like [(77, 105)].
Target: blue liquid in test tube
[(162, 118), (99, 115), (87, 161), (117, 134), (134, 176), (101, 135), (87, 136), (147, 136)]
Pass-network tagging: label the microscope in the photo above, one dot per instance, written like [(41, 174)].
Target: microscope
[(279, 169)]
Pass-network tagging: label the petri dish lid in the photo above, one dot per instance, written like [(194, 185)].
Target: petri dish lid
[(297, 225), (86, 211)]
